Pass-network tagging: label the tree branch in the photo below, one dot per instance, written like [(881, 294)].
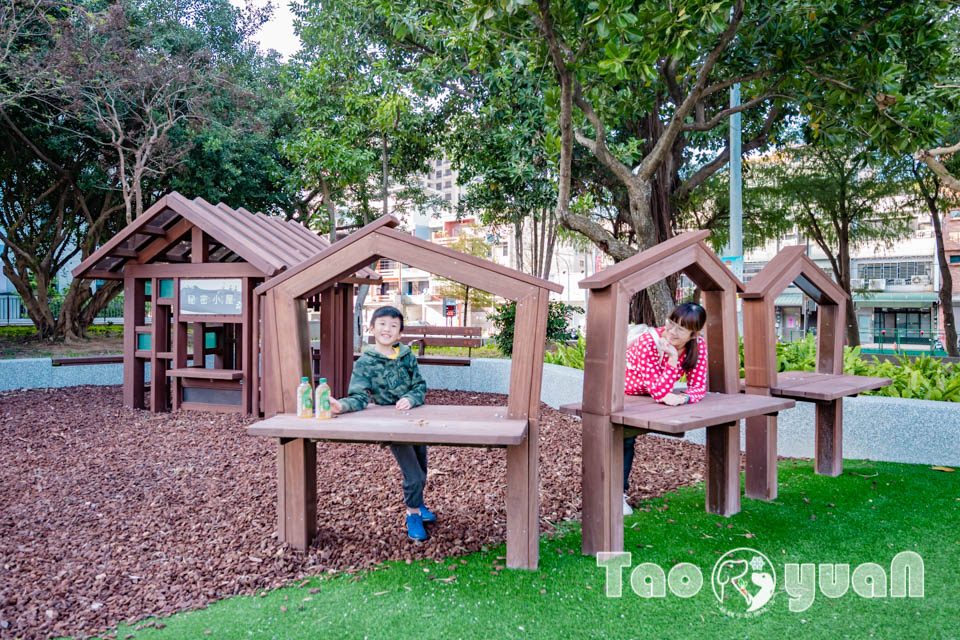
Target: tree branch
[(653, 160), (714, 165)]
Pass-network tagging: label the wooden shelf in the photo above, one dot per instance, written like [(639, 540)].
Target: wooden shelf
[(812, 387), (146, 328), (165, 355), (479, 426), (165, 301), (206, 374), (643, 412), (143, 353)]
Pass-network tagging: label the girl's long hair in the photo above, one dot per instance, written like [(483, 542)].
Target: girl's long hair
[(691, 316)]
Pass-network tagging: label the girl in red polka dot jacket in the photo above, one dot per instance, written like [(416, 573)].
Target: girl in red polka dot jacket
[(657, 360)]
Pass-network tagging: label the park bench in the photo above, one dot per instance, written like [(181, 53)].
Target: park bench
[(427, 336), (287, 357), (609, 415), (826, 387), (84, 360)]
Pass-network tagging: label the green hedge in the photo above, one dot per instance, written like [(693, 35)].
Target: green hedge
[(924, 378)]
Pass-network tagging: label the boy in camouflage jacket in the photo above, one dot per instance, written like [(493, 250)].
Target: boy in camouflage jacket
[(388, 374)]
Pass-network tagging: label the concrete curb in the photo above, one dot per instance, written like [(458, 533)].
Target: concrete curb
[(875, 428)]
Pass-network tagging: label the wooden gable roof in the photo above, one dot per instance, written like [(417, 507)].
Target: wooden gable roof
[(161, 233), (380, 238), (686, 252), (793, 265)]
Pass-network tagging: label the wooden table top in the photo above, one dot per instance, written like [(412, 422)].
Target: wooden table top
[(812, 387), (643, 412), (426, 424)]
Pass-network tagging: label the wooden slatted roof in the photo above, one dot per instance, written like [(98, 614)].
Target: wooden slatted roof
[(162, 234), (381, 238), (686, 252), (793, 265)]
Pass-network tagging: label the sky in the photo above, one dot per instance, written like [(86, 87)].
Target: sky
[(278, 33)]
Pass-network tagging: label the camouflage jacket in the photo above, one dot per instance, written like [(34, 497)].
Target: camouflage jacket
[(385, 379)]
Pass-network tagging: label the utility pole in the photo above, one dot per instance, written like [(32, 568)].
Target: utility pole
[(735, 246)]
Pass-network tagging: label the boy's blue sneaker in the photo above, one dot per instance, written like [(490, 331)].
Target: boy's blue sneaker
[(427, 515), (415, 527)]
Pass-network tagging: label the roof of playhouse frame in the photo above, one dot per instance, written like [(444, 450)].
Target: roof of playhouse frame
[(162, 234), (793, 265), (381, 239), (686, 252)]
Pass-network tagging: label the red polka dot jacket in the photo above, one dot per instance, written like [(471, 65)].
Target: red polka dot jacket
[(649, 371)]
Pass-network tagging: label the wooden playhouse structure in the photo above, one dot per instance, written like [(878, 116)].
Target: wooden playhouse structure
[(609, 415), (286, 357), (826, 387), (190, 267)]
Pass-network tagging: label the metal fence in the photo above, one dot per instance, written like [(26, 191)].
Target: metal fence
[(13, 312)]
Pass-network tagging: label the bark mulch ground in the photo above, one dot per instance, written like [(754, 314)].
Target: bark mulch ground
[(110, 514)]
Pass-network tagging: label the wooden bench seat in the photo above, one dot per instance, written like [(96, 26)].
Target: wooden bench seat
[(480, 426), (445, 361), (82, 360), (205, 374), (422, 337), (645, 413)]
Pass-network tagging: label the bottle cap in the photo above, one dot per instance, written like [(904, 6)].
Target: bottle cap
[(323, 380), (304, 379)]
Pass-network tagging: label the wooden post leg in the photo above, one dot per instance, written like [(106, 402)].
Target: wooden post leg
[(602, 485), (829, 438), (723, 469), (761, 483), (523, 508), (297, 499)]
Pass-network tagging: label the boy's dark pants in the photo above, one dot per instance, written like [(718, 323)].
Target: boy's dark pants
[(413, 464), (627, 461)]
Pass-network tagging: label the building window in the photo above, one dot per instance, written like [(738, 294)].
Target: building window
[(386, 265), (955, 214), (954, 237), (439, 174), (506, 251), (446, 197), (893, 270), (447, 172), (446, 185), (954, 259)]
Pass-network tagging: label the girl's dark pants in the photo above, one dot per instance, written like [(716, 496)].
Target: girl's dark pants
[(627, 461)]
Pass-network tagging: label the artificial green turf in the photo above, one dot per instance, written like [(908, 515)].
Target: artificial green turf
[(869, 514)]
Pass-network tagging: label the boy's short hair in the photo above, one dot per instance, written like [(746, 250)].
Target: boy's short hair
[(387, 312)]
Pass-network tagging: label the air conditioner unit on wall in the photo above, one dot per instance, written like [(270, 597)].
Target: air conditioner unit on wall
[(922, 280), (857, 283), (878, 285)]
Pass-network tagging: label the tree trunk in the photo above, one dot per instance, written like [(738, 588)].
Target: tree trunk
[(843, 279), (386, 169), (659, 300), (518, 242), (331, 209), (550, 240), (946, 279)]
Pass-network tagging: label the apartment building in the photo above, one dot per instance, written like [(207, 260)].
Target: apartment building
[(895, 288), (419, 294)]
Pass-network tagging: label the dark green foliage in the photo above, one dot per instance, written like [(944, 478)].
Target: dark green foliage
[(558, 323)]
